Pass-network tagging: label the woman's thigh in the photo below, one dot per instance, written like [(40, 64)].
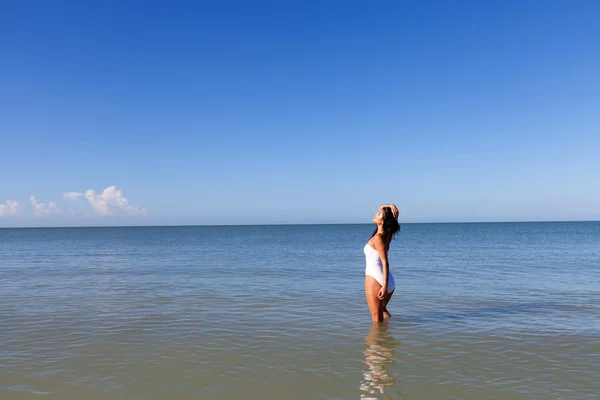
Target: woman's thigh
[(371, 290)]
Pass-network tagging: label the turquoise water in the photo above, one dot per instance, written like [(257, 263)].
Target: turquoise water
[(499, 310)]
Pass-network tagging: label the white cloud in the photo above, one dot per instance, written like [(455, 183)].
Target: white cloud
[(111, 201), (73, 195), (11, 207), (40, 209)]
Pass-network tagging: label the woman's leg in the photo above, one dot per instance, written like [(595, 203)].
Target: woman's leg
[(375, 305), (386, 300)]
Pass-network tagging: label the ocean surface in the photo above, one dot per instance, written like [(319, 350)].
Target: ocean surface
[(481, 311)]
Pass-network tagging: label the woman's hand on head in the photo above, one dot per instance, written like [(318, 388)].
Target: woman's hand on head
[(392, 207), (395, 211)]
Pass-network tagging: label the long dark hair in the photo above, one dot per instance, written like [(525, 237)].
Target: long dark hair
[(390, 226)]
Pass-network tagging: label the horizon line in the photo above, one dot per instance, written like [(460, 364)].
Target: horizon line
[(293, 224)]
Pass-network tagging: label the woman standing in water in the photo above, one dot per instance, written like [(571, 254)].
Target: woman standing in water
[(379, 281)]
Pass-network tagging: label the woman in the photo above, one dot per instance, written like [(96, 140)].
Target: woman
[(379, 281)]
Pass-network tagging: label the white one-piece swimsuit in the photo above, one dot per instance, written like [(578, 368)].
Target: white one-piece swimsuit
[(375, 268)]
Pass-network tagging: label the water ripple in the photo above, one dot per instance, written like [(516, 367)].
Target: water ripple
[(126, 314)]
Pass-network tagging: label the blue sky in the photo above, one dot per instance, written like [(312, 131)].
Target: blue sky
[(298, 111)]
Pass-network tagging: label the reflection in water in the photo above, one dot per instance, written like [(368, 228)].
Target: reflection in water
[(378, 354)]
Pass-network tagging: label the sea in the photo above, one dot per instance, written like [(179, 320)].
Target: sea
[(480, 311)]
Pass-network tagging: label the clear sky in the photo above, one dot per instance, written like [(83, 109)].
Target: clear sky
[(244, 112)]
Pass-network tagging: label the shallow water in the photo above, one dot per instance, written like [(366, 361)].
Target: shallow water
[(481, 311)]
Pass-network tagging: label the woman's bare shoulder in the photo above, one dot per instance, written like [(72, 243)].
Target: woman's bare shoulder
[(378, 241)]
